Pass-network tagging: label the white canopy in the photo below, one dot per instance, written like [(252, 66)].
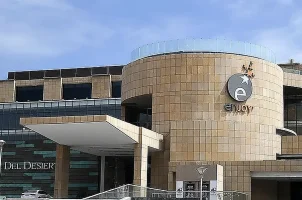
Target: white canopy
[(98, 135)]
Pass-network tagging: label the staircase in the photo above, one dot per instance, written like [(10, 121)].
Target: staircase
[(134, 192)]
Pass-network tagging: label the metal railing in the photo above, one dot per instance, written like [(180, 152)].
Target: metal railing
[(205, 195), (138, 192), (203, 45), (292, 71)]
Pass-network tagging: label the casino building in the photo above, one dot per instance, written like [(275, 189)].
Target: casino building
[(177, 109)]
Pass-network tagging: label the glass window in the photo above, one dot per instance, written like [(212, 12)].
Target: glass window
[(77, 91), (29, 93), (116, 89), (10, 114)]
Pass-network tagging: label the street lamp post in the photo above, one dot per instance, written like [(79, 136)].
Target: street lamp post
[(201, 170), (2, 142)]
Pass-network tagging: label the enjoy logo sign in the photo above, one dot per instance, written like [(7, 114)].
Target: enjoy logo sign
[(240, 86)]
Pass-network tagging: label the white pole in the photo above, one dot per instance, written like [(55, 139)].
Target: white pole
[(2, 142), (201, 170), (201, 189)]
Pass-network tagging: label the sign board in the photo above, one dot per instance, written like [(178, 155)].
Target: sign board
[(179, 189), (28, 166), (213, 190), (239, 87)]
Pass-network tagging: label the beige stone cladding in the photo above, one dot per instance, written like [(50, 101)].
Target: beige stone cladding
[(52, 89), (188, 98), (101, 86), (237, 174), (293, 80), (34, 82), (292, 144), (7, 93)]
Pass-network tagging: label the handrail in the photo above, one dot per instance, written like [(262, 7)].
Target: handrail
[(130, 190)]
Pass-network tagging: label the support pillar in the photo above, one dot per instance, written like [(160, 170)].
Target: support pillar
[(62, 171), (140, 168), (102, 174)]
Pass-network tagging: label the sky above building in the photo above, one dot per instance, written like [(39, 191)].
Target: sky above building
[(50, 34)]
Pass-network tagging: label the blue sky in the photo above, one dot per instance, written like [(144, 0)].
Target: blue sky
[(49, 34)]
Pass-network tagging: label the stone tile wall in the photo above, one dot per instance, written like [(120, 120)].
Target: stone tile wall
[(292, 144), (7, 93), (188, 98), (237, 174)]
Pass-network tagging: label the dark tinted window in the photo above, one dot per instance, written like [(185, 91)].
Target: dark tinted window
[(116, 70), (77, 91), (83, 72), (116, 89), (52, 73), (36, 74), (11, 76), (99, 70), (22, 75), (65, 73), (29, 93)]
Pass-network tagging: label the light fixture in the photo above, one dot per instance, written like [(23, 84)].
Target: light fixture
[(201, 170)]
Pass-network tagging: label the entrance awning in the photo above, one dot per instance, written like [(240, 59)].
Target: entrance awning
[(285, 132), (97, 134), (277, 175)]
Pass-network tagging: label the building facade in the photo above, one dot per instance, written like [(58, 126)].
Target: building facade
[(223, 105)]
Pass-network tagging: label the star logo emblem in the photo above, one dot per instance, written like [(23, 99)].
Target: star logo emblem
[(245, 79)]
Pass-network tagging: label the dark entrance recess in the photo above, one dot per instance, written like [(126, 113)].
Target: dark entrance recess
[(138, 111), (119, 170), (296, 190), (29, 93), (77, 91), (139, 116)]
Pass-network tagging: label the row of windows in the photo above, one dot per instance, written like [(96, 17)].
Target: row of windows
[(70, 91), (65, 73), (10, 114), (293, 117)]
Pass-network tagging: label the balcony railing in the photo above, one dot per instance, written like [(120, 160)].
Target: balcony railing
[(203, 45), (293, 71)]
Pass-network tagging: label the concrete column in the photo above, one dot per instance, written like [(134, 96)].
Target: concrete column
[(102, 174), (140, 168), (7, 89), (123, 113), (101, 86), (52, 89), (62, 171)]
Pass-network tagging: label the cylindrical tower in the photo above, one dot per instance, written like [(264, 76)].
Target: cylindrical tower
[(204, 114)]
